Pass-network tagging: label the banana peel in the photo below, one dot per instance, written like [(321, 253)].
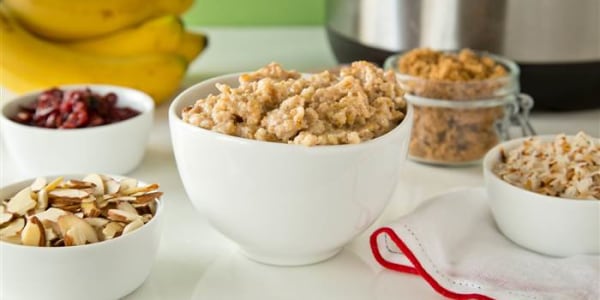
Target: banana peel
[(192, 44), (158, 35), (67, 20), (165, 34)]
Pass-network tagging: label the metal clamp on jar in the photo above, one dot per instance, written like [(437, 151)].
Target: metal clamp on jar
[(457, 122)]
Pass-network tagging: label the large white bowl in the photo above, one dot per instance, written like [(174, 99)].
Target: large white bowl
[(114, 148), (284, 204), (549, 225), (105, 270)]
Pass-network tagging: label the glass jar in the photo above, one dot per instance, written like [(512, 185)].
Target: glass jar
[(456, 123)]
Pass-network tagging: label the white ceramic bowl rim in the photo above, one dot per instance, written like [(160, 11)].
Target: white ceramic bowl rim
[(176, 116), (491, 159), (159, 209), (145, 99)]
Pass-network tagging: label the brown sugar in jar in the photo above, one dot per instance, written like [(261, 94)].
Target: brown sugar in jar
[(459, 102)]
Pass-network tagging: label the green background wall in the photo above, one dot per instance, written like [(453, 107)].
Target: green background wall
[(256, 12)]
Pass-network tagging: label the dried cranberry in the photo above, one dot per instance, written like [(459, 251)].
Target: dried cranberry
[(46, 105), (51, 120), (30, 108), (111, 99), (53, 93), (95, 120), (23, 116), (122, 113), (72, 109), (78, 118)]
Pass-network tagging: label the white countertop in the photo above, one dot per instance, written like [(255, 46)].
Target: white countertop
[(196, 262)]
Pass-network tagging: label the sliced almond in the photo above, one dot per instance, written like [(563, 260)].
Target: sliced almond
[(76, 184), (152, 206), (75, 236), (98, 183), (90, 209), (5, 217), (33, 233), (58, 243), (91, 198), (54, 183), (147, 198), (127, 183), (111, 187), (140, 189), (21, 202), (50, 235), (126, 206), (101, 202), (137, 223), (74, 208), (68, 222), (64, 201), (122, 216), (69, 193), (112, 230), (146, 218), (122, 198), (42, 200), (51, 215), (15, 239), (13, 228), (142, 209), (38, 184), (97, 222)]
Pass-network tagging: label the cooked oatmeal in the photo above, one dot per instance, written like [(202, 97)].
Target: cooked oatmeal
[(567, 168), (359, 103)]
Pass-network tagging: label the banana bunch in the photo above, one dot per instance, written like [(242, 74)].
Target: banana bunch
[(136, 43)]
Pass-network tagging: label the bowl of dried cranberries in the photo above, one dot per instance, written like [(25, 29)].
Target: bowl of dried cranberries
[(77, 129)]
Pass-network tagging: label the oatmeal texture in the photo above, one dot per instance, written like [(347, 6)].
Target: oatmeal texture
[(566, 168), (359, 103), (452, 135)]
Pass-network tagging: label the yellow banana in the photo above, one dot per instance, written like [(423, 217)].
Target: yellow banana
[(191, 45), (66, 20), (159, 35), (28, 63)]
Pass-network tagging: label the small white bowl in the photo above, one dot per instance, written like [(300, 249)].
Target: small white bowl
[(104, 270), (549, 225), (114, 148), (284, 204)]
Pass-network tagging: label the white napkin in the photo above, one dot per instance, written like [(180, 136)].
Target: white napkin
[(453, 243)]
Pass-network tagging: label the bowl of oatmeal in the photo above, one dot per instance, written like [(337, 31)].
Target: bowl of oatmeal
[(291, 166), (463, 101), (545, 192)]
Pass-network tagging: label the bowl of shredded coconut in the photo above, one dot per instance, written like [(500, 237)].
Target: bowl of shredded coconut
[(544, 192)]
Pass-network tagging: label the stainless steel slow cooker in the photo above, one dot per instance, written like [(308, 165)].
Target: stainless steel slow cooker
[(555, 42)]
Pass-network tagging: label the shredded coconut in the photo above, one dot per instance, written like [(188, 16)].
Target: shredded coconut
[(567, 167)]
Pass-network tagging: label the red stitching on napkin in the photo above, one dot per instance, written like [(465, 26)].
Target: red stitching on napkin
[(417, 268)]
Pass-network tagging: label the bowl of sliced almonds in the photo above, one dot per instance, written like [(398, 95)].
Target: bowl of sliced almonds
[(78, 236)]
